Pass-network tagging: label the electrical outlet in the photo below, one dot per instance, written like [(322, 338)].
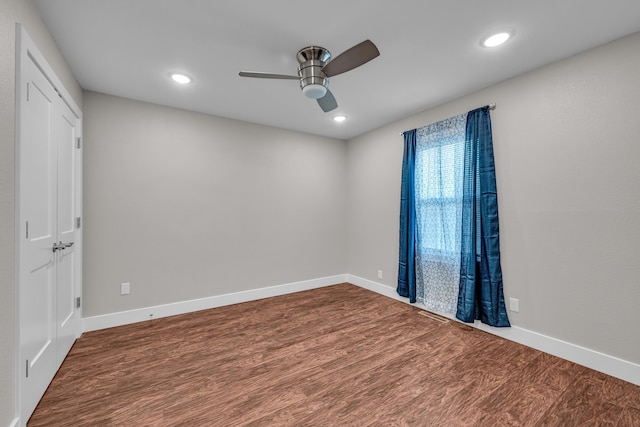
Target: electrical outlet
[(514, 305), (125, 288), (380, 274)]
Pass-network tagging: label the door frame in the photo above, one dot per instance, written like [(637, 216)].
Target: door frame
[(26, 50)]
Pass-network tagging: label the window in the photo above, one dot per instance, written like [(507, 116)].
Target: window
[(439, 199), (439, 172)]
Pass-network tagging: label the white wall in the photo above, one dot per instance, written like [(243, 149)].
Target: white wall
[(12, 12), (567, 147), (185, 205)]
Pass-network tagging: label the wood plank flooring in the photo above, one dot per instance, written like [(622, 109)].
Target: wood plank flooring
[(335, 356)]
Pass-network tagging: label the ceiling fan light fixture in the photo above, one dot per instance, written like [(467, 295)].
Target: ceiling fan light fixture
[(315, 67), (496, 39), (314, 91)]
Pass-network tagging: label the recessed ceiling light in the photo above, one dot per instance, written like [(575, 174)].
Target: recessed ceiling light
[(496, 39), (340, 118), (180, 78)]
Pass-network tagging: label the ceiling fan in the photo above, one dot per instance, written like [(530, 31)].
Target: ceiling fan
[(316, 66)]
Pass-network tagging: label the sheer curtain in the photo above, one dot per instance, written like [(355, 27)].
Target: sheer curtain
[(439, 167)]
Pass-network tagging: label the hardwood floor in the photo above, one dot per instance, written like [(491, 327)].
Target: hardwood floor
[(335, 356)]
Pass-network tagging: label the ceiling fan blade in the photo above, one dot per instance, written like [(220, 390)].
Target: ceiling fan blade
[(351, 58), (327, 102), (266, 75)]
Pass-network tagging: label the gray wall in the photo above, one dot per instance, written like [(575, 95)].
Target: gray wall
[(184, 205), (567, 147), (12, 11)]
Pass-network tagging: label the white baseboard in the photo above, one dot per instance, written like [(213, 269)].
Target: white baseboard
[(610, 365), (110, 320)]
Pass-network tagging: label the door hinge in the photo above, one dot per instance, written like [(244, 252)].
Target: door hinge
[(78, 300), (78, 222), (79, 142), (27, 232), (27, 370)]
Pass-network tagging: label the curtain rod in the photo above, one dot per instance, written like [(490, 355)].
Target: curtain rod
[(492, 106)]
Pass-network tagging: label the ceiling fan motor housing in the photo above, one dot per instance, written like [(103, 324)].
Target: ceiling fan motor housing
[(313, 81)]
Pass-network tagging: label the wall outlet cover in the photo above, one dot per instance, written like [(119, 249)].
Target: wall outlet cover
[(125, 288), (514, 305)]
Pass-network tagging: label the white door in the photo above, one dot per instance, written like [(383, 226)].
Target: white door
[(49, 270), (67, 315), (38, 170)]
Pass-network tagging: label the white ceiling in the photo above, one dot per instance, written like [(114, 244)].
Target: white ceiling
[(430, 51)]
